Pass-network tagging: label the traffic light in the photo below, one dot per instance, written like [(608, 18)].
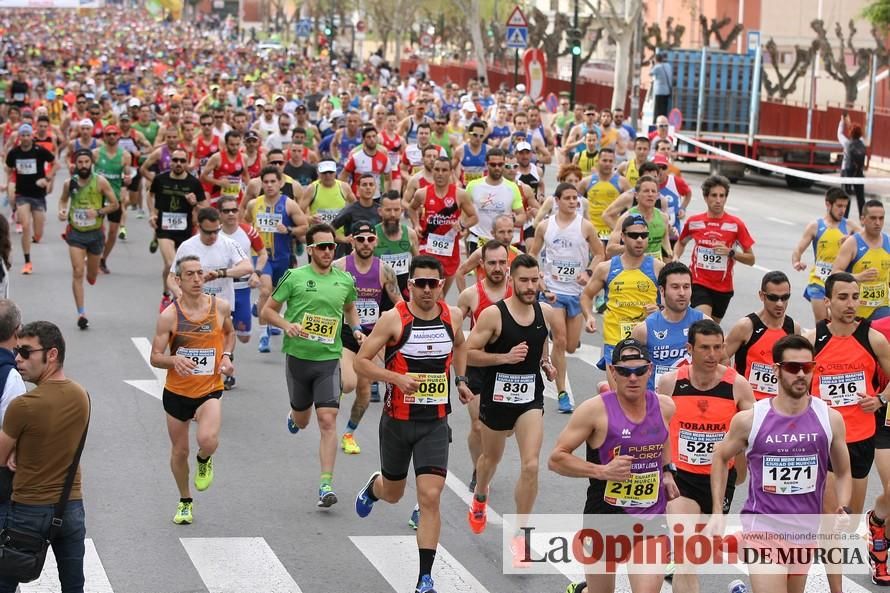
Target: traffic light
[(328, 29), (574, 36)]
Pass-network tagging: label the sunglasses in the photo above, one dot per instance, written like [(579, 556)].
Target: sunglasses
[(178, 160), (111, 135), (206, 123), (775, 298), (661, 126), (637, 234), (426, 282), (628, 371), (276, 162), (366, 238), (511, 166), (794, 367), (25, 353), (229, 210), (324, 246), (211, 231), (476, 135)]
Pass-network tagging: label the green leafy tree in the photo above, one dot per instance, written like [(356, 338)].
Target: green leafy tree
[(877, 12)]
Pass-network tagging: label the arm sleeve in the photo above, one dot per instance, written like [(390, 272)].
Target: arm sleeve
[(256, 242)]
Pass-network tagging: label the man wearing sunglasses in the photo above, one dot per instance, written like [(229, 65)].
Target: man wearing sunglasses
[(763, 433), (716, 235), (628, 445), (173, 198), (849, 353), (114, 164), (319, 297), (373, 280), (197, 329), (423, 338), (707, 395), (752, 337)]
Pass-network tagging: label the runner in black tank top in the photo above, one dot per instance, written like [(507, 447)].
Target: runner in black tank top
[(509, 342)]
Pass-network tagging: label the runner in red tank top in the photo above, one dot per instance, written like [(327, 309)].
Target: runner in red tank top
[(392, 142), (751, 339), (446, 213), (225, 170), (253, 154)]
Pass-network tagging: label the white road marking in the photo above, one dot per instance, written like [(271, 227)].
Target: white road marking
[(153, 387), (588, 354), (96, 581), (732, 209), (238, 564), (780, 221), (463, 492), (395, 557), (761, 268)]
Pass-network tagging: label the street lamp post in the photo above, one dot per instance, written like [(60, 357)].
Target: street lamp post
[(575, 42)]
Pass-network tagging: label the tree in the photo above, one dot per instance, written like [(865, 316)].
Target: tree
[(654, 41), (786, 84), (714, 29), (621, 27), (552, 39), (836, 65), (877, 12)]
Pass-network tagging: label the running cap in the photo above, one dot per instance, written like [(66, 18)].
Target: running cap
[(632, 220), (26, 129), (327, 167), (468, 106), (523, 146), (660, 159), (629, 349), (362, 228), (86, 122)]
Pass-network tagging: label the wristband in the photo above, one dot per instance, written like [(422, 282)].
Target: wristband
[(221, 273), (882, 399), (229, 354), (356, 328), (732, 254)]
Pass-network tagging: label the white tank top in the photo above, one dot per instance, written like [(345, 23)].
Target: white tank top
[(566, 254)]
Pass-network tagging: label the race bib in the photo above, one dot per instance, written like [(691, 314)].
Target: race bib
[(319, 328), (327, 215), (640, 491), (603, 235), (660, 371), (873, 294), (204, 359), (267, 222), (763, 379), (842, 390), (625, 327), (18, 97), (83, 216), (174, 221), (213, 288), (565, 270), (368, 311), (397, 261), (441, 244), (234, 187), (697, 448), (790, 475), (823, 269), (26, 166), (514, 389), (706, 259), (432, 391)]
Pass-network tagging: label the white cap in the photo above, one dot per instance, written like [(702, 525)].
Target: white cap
[(336, 113), (468, 106), (523, 146), (86, 122), (282, 97), (259, 102), (134, 102), (327, 167), (520, 87)]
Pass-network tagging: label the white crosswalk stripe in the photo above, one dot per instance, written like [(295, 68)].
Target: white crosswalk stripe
[(238, 564), (96, 581), (390, 555)]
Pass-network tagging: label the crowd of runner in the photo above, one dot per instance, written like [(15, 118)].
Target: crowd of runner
[(337, 207)]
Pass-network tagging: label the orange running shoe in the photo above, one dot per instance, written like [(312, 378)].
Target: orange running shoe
[(476, 516)]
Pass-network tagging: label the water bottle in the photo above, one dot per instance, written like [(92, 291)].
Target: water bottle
[(738, 586)]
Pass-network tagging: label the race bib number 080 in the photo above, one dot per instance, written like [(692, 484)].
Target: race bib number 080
[(431, 391)]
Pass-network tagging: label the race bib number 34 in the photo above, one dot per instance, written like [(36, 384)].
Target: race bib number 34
[(431, 391)]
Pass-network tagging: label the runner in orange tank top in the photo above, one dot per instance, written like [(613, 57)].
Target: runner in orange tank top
[(198, 332), (707, 395)]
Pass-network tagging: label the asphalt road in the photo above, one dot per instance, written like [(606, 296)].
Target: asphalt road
[(257, 528)]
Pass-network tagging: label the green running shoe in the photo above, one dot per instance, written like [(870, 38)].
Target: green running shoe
[(204, 477), (183, 514)]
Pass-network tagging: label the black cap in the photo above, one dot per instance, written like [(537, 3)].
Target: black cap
[(632, 220), (251, 135), (630, 349), (362, 228)]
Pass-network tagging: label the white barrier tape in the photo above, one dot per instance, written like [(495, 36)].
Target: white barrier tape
[(829, 179)]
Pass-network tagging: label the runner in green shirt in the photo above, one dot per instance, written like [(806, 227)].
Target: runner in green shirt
[(319, 297)]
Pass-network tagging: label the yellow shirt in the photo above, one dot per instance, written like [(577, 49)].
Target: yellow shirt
[(826, 246), (600, 195), (872, 295), (627, 294)]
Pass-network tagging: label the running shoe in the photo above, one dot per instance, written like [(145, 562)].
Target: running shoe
[(183, 514), (264, 344), (291, 426), (140, 213), (122, 234), (348, 444), (27, 269), (476, 516), (472, 484), (153, 246), (103, 267), (517, 550), (363, 503), (204, 477), (877, 551), (565, 403), (326, 496), (35, 239), (669, 569), (576, 587), (426, 585), (414, 521), (165, 301), (375, 392), (228, 382), (83, 322), (18, 228)]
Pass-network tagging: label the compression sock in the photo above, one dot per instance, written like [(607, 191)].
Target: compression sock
[(427, 557)]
